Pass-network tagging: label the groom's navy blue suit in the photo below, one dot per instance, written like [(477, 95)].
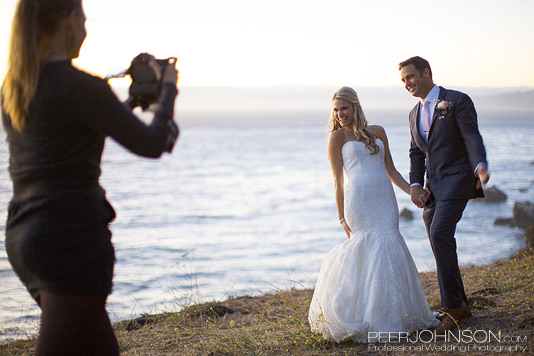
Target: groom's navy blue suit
[(449, 159)]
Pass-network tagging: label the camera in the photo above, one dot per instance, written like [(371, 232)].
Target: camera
[(145, 88), (146, 85)]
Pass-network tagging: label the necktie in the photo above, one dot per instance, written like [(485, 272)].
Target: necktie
[(425, 116)]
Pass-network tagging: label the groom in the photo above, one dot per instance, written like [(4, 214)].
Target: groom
[(446, 144)]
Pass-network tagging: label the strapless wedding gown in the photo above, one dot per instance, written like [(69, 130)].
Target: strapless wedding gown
[(369, 283)]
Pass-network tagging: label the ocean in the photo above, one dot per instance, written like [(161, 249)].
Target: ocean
[(245, 206)]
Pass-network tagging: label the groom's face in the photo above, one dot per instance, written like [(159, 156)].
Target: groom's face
[(417, 83)]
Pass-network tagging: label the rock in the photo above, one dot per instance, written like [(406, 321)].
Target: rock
[(505, 221), (208, 310), (523, 214), (523, 190), (406, 214), (529, 237), (494, 195), (140, 322), (219, 311)]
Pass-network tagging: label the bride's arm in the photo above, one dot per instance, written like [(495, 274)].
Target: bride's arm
[(391, 171), (335, 143)]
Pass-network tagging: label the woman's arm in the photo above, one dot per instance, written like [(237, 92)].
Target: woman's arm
[(391, 171), (95, 106), (335, 143)]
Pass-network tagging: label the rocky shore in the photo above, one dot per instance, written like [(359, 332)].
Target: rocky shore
[(501, 295)]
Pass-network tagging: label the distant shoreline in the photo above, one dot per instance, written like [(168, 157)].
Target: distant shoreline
[(317, 98)]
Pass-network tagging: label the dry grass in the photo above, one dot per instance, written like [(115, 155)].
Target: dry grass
[(502, 296)]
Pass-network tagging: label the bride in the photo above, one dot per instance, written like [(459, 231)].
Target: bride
[(369, 284)]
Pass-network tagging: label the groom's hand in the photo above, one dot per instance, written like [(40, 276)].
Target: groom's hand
[(483, 176), (419, 196)]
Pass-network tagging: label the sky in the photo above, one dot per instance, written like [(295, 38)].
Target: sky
[(476, 43)]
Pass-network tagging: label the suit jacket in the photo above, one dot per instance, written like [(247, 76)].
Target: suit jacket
[(453, 151)]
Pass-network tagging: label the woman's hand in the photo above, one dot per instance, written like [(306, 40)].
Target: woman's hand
[(169, 73), (346, 227)]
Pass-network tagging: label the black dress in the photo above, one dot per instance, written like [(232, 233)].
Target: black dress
[(57, 236)]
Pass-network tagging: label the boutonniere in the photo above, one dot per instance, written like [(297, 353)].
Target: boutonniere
[(443, 106)]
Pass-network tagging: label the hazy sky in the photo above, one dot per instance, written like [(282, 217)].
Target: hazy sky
[(307, 42)]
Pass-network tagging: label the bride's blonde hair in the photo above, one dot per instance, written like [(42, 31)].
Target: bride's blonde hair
[(359, 124)]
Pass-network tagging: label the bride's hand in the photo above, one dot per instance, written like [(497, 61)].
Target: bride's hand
[(346, 228), (419, 196)]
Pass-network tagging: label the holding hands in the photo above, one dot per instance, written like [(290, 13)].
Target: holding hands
[(419, 196)]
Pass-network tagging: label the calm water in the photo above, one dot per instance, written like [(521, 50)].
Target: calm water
[(245, 205)]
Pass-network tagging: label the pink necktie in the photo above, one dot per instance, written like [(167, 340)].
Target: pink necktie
[(425, 116)]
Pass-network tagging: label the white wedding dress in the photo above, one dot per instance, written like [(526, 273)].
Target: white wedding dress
[(369, 283)]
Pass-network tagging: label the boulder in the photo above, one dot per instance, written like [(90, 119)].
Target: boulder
[(505, 221), (523, 214), (494, 195), (406, 214)]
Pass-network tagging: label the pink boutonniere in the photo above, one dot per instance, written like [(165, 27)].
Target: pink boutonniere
[(443, 106)]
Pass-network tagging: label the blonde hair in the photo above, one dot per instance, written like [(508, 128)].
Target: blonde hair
[(359, 122), (33, 21)]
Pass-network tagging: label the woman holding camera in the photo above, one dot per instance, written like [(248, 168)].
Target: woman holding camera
[(56, 119)]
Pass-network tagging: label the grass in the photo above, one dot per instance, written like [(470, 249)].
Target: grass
[(501, 294)]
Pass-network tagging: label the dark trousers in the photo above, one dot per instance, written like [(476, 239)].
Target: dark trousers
[(440, 220)]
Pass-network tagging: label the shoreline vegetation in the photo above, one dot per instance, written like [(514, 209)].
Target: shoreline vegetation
[(501, 295)]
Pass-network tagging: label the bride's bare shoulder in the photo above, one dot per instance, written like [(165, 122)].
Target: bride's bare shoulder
[(336, 140), (337, 136), (378, 131)]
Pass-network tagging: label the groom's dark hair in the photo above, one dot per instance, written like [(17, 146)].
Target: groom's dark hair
[(419, 63)]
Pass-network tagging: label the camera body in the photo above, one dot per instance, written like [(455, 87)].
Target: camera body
[(146, 86)]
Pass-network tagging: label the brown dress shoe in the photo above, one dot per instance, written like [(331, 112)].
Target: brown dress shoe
[(451, 318)]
